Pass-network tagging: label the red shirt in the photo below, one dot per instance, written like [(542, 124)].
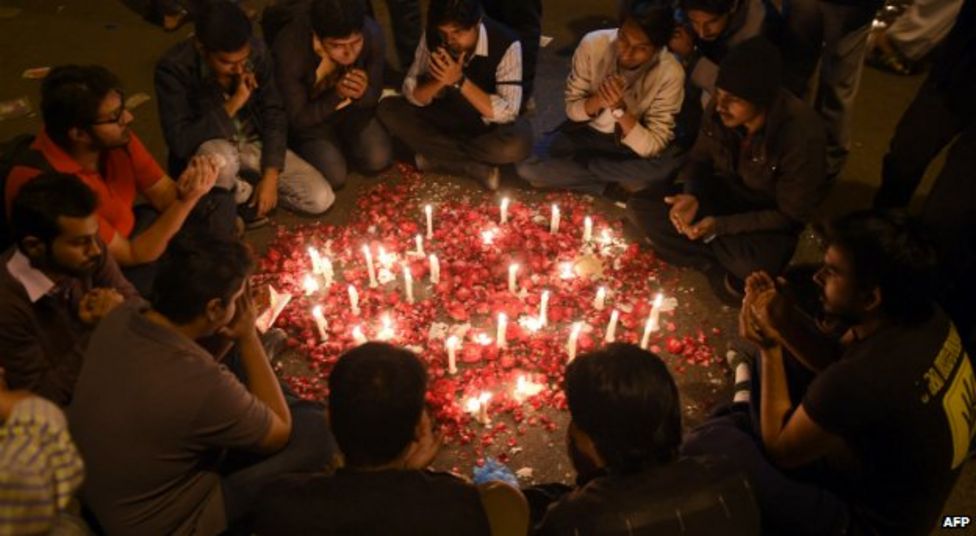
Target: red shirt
[(123, 172)]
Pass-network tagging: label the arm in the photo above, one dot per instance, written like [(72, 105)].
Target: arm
[(420, 93), (26, 365), (655, 130), (374, 63), (184, 131), (274, 121), (582, 101), (303, 111), (504, 105)]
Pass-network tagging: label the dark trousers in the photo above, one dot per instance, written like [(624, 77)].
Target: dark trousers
[(354, 132), (214, 214), (738, 254), (525, 18), (427, 133), (579, 158)]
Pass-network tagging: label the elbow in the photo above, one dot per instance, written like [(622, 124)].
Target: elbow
[(278, 435)]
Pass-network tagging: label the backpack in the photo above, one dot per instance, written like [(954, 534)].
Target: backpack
[(15, 152)]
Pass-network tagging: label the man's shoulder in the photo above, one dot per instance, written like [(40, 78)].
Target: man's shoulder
[(798, 117), (598, 39), (178, 59)]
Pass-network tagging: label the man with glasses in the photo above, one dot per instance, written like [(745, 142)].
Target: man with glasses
[(622, 97), (752, 179), (87, 133)]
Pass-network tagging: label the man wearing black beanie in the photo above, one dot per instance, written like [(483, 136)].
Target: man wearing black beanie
[(752, 179)]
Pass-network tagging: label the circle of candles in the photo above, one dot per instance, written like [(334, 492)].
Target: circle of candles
[(452, 344), (370, 268), (601, 299), (310, 284), (501, 329), (353, 300), (408, 282), (429, 212), (320, 322), (554, 220), (544, 308), (504, 211), (587, 229), (573, 340), (420, 245), (612, 327), (512, 282), (435, 269)]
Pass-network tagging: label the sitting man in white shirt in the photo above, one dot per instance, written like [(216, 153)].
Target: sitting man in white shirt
[(622, 96)]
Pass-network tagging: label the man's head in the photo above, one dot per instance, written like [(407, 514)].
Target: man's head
[(199, 281), (376, 403), (223, 34), (625, 405), (454, 23), (709, 18), (748, 80), (645, 27), (338, 28), (53, 222), (83, 108), (877, 264)]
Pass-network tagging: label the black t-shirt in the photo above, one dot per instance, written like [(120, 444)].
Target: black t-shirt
[(692, 496), (369, 503), (904, 400)]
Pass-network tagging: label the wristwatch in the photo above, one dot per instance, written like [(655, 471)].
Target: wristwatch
[(457, 85)]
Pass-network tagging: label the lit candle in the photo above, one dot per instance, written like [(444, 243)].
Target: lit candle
[(573, 339), (328, 273), (566, 270), (544, 308), (554, 221), (370, 268), (601, 299), (646, 339), (488, 237), (420, 245), (605, 237), (408, 282), (316, 260), (655, 317), (504, 214), (512, 283), (483, 400), (429, 212), (612, 327), (502, 327), (452, 345), (386, 332), (435, 270), (310, 284), (587, 229), (353, 300), (357, 335), (483, 339), (320, 322), (524, 388)]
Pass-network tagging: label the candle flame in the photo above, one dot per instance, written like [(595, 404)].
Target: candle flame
[(566, 270), (310, 284), (317, 312)]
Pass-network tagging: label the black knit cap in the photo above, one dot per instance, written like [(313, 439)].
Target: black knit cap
[(752, 71)]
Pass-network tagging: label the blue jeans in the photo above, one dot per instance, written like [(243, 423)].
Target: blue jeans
[(352, 134), (576, 157)]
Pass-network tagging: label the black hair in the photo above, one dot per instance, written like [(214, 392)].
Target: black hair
[(44, 199), (626, 401), (71, 96), (222, 26), (464, 13), (715, 7), (376, 398), (892, 252), (195, 270), (654, 17), (337, 18)]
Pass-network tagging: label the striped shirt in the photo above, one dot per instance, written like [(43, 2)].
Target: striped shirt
[(505, 104), (40, 469)]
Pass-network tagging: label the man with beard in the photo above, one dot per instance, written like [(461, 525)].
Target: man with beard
[(751, 181), (329, 68), (873, 443), (56, 283), (87, 134), (461, 97)]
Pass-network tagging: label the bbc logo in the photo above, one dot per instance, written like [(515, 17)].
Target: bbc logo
[(956, 522)]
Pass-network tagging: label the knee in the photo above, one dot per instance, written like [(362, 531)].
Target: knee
[(518, 149), (377, 153), (389, 111), (530, 170), (318, 200), (231, 162)]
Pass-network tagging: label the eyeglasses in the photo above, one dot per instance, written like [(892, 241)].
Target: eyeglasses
[(117, 117)]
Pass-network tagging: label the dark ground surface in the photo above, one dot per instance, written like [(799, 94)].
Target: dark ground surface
[(51, 32)]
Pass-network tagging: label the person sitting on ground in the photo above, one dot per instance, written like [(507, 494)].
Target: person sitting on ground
[(753, 177), (175, 443), (377, 412), (87, 133), (622, 97), (623, 441), (329, 68), (707, 30), (862, 435), (217, 96), (461, 97), (40, 467), (57, 282)]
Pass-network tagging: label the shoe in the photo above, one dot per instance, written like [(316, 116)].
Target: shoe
[(249, 213), (735, 286), (422, 163), (489, 176), (242, 191)]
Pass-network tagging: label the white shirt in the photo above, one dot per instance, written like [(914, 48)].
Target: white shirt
[(35, 282), (507, 100)]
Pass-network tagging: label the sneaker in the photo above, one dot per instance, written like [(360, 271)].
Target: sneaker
[(242, 191), (735, 286), (488, 176)]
